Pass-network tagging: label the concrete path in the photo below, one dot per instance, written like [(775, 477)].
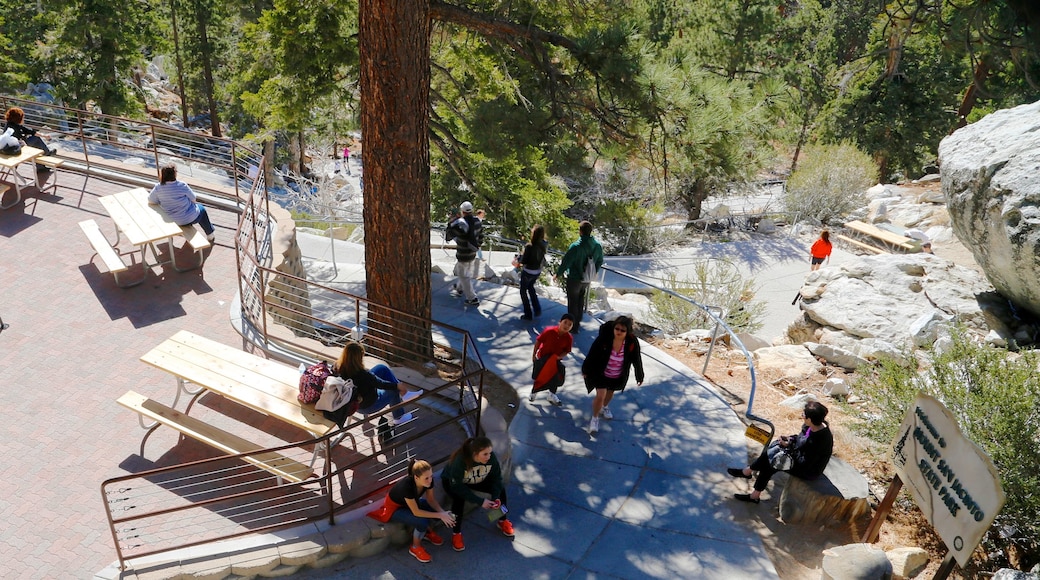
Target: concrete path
[(646, 498)]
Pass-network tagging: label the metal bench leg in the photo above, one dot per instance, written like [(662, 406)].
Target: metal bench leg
[(201, 258)]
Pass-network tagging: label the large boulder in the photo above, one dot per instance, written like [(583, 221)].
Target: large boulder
[(880, 297), (992, 189)]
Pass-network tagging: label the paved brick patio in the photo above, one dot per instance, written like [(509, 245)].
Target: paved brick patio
[(71, 349)]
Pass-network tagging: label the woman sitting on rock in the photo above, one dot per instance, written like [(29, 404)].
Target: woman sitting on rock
[(810, 450)]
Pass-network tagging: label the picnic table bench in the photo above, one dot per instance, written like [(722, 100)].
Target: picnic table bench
[(890, 239), (144, 225), (861, 245), (280, 466), (265, 386)]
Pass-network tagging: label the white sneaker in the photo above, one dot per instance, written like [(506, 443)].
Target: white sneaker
[(410, 395), (532, 396), (594, 425), (404, 419), (554, 399), (606, 414), (211, 237)]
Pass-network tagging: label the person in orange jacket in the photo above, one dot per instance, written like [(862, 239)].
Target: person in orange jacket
[(821, 250)]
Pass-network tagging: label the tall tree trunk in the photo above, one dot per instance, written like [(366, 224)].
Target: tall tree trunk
[(394, 45), (180, 64), (972, 94), (201, 16)]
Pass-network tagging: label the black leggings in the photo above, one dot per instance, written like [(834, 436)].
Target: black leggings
[(764, 469), (458, 502)]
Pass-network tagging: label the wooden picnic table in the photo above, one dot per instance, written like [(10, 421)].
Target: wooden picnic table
[(9, 165), (886, 237), (262, 385), (266, 386), (145, 224)]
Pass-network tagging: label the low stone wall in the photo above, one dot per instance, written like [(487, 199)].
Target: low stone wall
[(838, 496)]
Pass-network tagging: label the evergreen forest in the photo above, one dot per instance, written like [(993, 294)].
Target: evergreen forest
[(543, 112)]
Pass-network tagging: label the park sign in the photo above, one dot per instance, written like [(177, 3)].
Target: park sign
[(953, 481)]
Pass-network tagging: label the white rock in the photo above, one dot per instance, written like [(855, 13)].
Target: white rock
[(835, 388), (794, 361), (991, 183), (836, 355), (798, 401), (923, 328), (907, 562), (993, 338), (751, 342), (855, 562), (879, 296)]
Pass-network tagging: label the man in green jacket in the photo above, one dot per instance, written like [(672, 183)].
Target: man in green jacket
[(574, 265)]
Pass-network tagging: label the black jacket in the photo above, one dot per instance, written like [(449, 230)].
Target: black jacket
[(365, 385), (533, 257), (20, 131), (468, 233), (599, 355), (812, 454)]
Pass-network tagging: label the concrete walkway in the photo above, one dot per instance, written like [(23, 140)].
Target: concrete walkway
[(646, 498)]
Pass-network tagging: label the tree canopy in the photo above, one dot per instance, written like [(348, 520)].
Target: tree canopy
[(533, 109)]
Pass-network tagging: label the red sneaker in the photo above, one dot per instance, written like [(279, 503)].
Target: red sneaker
[(432, 537), (456, 542), (420, 554), (506, 526)]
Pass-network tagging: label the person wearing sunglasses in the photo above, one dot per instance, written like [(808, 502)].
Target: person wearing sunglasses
[(810, 450), (608, 364)]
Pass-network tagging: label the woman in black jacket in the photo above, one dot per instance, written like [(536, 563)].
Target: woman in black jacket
[(607, 364), (530, 264), (14, 118), (810, 450), (376, 389)]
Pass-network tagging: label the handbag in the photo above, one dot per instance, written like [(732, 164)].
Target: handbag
[(337, 392), (780, 458), (383, 513), (312, 382)]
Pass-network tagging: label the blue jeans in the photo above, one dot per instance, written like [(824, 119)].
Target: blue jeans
[(403, 515), (385, 397), (202, 220), (527, 294)]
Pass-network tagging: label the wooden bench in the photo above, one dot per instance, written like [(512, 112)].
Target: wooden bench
[(196, 239), (888, 238), (278, 465), (48, 161), (109, 255), (861, 245)]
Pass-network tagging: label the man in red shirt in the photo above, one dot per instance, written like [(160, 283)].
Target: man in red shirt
[(550, 347)]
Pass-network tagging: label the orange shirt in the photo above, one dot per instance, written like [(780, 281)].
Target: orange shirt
[(821, 249)]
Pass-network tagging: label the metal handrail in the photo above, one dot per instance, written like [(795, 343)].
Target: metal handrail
[(717, 314), (134, 504)]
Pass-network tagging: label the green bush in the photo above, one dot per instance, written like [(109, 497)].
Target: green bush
[(715, 283), (995, 396), (831, 181)]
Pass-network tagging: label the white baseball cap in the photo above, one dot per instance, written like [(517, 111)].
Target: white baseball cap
[(466, 207)]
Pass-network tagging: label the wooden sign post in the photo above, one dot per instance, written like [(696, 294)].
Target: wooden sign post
[(953, 481)]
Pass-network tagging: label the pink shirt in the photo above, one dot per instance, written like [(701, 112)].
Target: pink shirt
[(613, 369)]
